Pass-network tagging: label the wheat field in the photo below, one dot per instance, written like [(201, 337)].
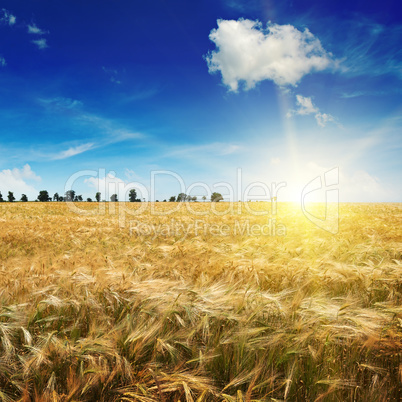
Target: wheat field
[(95, 307)]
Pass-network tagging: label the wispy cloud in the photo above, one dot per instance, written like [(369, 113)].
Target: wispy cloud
[(33, 29), (7, 17), (12, 20), (305, 107), (75, 109), (113, 75), (230, 149), (61, 103), (72, 151), (41, 43), (2, 62), (370, 48), (242, 6), (212, 149), (131, 175), (246, 52), (109, 128), (323, 119), (357, 94), (107, 131), (140, 94)]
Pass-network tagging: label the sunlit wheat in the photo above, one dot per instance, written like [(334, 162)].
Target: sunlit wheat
[(91, 311)]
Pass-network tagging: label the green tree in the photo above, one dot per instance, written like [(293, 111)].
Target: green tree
[(216, 197), (24, 198), (181, 197), (113, 198), (98, 197), (1, 197), (79, 198), (56, 197), (172, 199), (43, 196), (132, 196), (11, 197), (204, 197), (89, 199), (70, 195)]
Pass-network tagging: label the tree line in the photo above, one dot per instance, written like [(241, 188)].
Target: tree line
[(71, 196), (182, 197)]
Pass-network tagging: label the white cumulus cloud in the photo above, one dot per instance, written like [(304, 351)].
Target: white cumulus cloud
[(280, 53), (305, 107), (15, 180), (26, 173)]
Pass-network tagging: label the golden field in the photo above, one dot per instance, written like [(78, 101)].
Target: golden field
[(113, 306)]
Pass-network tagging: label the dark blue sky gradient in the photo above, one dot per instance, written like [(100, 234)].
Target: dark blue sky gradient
[(125, 85)]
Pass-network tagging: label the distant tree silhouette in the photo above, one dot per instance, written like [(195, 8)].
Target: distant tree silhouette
[(89, 199), (172, 199), (70, 195), (11, 197), (98, 197), (1, 197), (113, 198), (79, 198), (133, 196), (181, 197), (44, 196), (24, 198), (56, 197), (216, 197)]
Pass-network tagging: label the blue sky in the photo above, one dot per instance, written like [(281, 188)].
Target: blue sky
[(272, 91)]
